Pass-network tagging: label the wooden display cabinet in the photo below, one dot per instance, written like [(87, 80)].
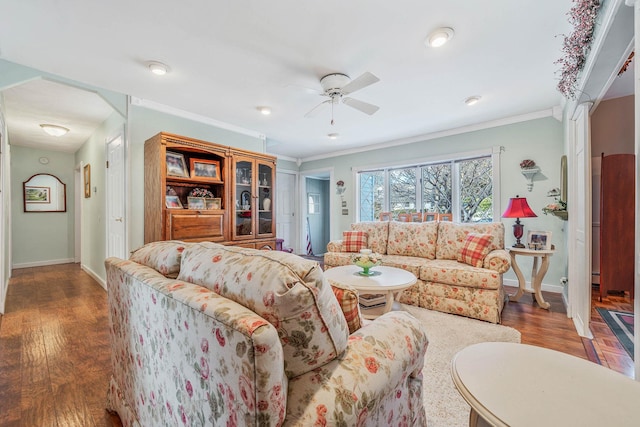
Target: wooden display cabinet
[(175, 166), (252, 213)]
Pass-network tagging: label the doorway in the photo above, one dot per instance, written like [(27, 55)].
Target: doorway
[(316, 206)]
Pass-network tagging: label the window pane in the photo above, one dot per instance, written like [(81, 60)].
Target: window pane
[(371, 195), (436, 188), (476, 190), (402, 190)]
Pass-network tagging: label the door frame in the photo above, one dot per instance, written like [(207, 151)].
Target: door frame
[(302, 205), (294, 226)]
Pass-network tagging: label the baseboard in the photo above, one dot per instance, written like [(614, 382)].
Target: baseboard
[(95, 276), (557, 289), (43, 263)]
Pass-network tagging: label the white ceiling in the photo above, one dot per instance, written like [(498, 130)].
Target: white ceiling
[(227, 58)]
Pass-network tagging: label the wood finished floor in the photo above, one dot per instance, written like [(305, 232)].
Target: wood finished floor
[(54, 345)]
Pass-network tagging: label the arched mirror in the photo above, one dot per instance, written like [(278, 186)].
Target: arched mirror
[(44, 192)]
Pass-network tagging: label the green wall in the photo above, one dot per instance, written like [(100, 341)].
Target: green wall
[(41, 237), (540, 140), (94, 212)]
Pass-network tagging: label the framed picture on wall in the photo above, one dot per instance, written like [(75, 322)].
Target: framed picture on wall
[(87, 181), (205, 169)]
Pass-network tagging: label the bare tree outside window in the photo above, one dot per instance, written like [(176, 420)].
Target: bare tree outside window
[(371, 195), (436, 188), (402, 191), (476, 190)]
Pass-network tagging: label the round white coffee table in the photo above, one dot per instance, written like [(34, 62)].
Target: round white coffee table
[(510, 384), (387, 281)]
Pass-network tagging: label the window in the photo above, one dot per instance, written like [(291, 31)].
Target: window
[(314, 203), (462, 187)]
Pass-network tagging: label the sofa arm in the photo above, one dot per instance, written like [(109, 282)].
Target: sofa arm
[(498, 260), (334, 246), (382, 366), (195, 348)]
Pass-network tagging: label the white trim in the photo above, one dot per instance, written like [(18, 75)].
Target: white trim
[(44, 263), (287, 158), (302, 204), (435, 135), (145, 103), (94, 276), (78, 196), (613, 76), (547, 287)]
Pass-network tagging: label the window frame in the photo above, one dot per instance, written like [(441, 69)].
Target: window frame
[(493, 152)]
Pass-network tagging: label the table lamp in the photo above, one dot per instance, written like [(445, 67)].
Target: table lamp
[(518, 208)]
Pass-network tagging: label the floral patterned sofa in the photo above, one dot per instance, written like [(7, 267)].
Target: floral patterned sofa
[(204, 334), (459, 266)]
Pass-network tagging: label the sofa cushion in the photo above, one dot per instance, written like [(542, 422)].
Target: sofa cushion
[(348, 299), (407, 263), (451, 272), (337, 259), (164, 256), (353, 241), (286, 290), (377, 234), (413, 239), (451, 237), (475, 249)]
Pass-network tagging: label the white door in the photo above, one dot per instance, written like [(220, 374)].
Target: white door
[(285, 209), (580, 221), (116, 196)]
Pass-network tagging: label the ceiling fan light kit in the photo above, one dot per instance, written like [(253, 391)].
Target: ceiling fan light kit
[(439, 37), (54, 130), (333, 135), (336, 85)]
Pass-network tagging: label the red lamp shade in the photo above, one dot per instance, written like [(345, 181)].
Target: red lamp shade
[(518, 208)]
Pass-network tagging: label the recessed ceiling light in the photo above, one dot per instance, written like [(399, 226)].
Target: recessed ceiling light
[(333, 135), (439, 37), (472, 100), (158, 68), (265, 110), (54, 130)]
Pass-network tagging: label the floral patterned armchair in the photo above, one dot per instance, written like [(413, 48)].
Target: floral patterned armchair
[(204, 334)]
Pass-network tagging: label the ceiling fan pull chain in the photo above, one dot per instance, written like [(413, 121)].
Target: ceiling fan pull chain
[(332, 104)]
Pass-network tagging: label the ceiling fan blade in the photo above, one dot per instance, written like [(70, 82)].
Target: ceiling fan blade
[(358, 83), (317, 109), (365, 107)]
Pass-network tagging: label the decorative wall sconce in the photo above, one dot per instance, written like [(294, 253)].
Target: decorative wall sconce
[(529, 170)]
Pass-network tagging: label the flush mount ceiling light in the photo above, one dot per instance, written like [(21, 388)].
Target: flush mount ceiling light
[(158, 68), (472, 100), (54, 130), (333, 135), (439, 37), (264, 110)]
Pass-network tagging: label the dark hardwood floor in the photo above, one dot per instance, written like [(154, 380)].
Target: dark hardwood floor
[(54, 345)]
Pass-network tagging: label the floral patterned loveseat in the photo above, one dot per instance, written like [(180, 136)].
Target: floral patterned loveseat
[(204, 334), (459, 266)]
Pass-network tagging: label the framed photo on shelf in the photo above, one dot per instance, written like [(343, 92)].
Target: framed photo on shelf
[(213, 203), (205, 169), (196, 202), (176, 166), (539, 240), (173, 202)]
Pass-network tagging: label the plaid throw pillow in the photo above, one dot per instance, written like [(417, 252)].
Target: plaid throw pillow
[(348, 299), (353, 241), (475, 248)]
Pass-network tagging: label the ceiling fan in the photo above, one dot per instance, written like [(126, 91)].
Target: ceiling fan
[(337, 85)]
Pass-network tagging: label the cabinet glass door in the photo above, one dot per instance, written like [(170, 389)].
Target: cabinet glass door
[(243, 198), (265, 199)]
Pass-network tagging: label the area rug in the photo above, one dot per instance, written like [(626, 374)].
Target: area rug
[(447, 335), (621, 324)]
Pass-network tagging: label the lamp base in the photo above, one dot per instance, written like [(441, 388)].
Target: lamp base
[(518, 245)]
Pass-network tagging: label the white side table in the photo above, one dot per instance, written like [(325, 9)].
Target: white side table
[(536, 274)]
